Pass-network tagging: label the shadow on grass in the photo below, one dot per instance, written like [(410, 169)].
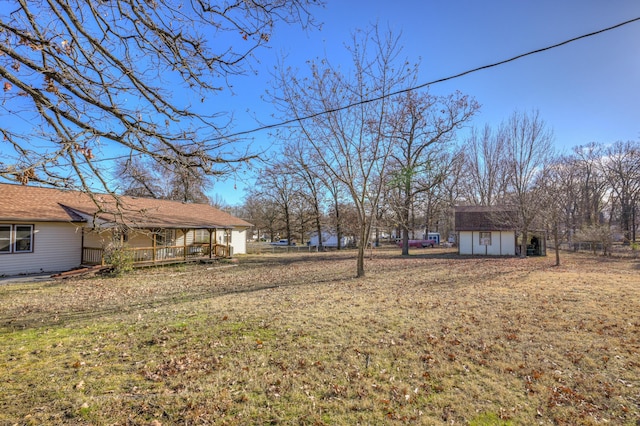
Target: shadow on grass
[(31, 318), (381, 262)]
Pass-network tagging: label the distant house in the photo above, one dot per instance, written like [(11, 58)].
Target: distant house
[(483, 230), (52, 230)]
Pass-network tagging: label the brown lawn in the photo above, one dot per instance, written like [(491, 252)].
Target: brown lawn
[(295, 339)]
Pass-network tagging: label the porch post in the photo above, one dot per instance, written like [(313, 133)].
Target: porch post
[(184, 243), (215, 237), (210, 243), (82, 244), (155, 245)]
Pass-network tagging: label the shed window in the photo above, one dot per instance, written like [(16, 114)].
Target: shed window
[(485, 238)]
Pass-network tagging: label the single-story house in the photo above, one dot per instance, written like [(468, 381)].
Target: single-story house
[(489, 230), (53, 230)]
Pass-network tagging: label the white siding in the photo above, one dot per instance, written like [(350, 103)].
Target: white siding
[(239, 241), (509, 243), (502, 243), (56, 248), (465, 243)]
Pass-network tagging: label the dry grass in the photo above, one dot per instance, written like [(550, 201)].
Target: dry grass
[(293, 339)]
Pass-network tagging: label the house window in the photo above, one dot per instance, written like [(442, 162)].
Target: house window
[(201, 236), (227, 236), (16, 238), (165, 237), (24, 238), (5, 238), (485, 238), (120, 235)]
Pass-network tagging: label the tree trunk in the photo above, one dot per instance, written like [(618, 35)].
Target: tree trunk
[(523, 245), (319, 233), (556, 243), (361, 251), (405, 219), (287, 221)]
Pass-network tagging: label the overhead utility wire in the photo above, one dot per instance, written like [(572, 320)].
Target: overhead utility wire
[(421, 86)]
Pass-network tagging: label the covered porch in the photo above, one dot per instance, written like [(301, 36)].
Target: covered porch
[(157, 246)]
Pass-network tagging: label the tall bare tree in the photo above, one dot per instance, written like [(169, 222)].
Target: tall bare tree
[(351, 138), (281, 189), (486, 168), (304, 165), (621, 166), (559, 184), (137, 179), (81, 77), (168, 181), (422, 121), (529, 148), (594, 185)]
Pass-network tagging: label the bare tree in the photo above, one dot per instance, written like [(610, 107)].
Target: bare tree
[(280, 188), (420, 122), (304, 165), (162, 180), (594, 185), (136, 179), (621, 166), (336, 197), (529, 150), (350, 141), (220, 203), (559, 183), (263, 213), (82, 76), (486, 168), (452, 189)]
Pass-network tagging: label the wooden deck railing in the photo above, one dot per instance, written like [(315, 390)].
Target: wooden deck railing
[(147, 255)]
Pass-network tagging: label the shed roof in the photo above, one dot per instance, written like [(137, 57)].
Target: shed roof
[(38, 204), (483, 218)]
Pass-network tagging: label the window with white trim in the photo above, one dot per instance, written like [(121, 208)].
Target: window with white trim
[(5, 238), (16, 239), (485, 238)]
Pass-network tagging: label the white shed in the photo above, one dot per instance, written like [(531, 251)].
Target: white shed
[(482, 232), (489, 231)]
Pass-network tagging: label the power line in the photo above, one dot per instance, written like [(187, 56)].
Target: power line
[(440, 80), (420, 86)]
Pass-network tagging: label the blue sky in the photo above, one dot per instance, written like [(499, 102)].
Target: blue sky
[(586, 91)]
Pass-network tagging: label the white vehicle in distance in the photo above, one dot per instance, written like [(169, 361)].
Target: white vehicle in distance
[(284, 242)]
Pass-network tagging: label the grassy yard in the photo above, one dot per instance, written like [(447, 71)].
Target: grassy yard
[(295, 339)]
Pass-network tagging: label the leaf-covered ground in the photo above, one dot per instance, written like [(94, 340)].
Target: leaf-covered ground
[(433, 338)]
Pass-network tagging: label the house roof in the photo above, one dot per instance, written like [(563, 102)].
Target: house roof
[(37, 204), (483, 218)]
